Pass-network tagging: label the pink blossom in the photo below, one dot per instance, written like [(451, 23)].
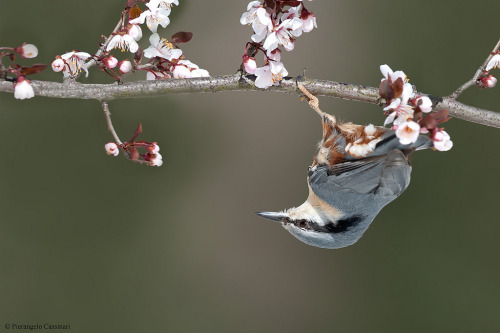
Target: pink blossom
[(408, 132), (488, 81), (249, 64), (442, 141)]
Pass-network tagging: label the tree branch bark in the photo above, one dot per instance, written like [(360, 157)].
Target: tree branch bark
[(236, 82)]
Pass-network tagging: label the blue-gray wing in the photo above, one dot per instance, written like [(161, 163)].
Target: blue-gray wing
[(384, 176)]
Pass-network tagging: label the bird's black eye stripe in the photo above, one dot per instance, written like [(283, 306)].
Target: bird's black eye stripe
[(341, 225), (302, 224)]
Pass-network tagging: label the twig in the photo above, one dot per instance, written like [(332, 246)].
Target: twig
[(235, 82), (101, 49), (478, 73), (107, 114)]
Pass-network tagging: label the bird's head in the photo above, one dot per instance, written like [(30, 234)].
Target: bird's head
[(318, 224)]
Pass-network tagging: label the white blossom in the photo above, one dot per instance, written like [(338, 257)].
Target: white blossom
[(123, 42), (282, 35), (161, 48), (388, 73), (167, 3), (494, 62), (259, 18), (309, 23), (156, 15), (186, 69), (181, 72), (270, 74), (401, 110), (76, 63), (200, 73), (157, 160), (23, 89), (135, 31)]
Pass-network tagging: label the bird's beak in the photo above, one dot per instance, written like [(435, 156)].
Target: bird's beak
[(278, 217)]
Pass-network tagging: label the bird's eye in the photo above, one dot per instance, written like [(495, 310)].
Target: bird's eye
[(303, 224)]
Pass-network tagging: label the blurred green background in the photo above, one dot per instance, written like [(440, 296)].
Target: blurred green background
[(107, 245)]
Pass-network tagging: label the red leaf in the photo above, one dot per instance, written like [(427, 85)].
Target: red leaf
[(138, 56), (441, 116), (397, 86), (181, 37), (134, 11), (432, 120), (292, 3), (385, 90), (429, 122), (137, 132), (36, 68), (270, 3), (133, 152)]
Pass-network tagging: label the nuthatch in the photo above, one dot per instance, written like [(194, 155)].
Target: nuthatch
[(357, 171)]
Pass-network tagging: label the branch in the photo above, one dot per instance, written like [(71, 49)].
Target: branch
[(478, 73), (236, 82)]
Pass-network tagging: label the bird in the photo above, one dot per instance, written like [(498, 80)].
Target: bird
[(357, 171)]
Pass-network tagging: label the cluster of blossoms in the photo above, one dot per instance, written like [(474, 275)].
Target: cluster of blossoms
[(151, 156), (487, 80), (22, 86), (411, 114), (275, 23), (166, 59)]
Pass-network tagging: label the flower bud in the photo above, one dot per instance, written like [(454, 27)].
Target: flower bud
[(156, 160), (23, 89), (135, 31), (154, 148), (58, 65), (111, 149), (424, 103), (125, 66), (249, 64), (27, 50), (488, 81), (111, 62)]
